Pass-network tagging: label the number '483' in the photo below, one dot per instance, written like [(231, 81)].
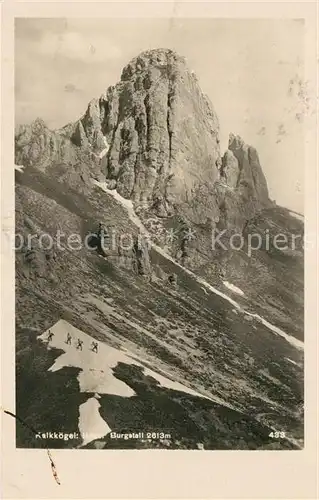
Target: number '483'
[(277, 434)]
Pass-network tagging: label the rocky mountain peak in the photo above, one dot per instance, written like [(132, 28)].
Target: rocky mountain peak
[(154, 136), (165, 59), (154, 132)]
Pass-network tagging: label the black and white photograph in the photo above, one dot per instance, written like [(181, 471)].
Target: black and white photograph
[(159, 233)]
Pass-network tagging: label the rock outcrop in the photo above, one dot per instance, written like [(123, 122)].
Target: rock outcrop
[(242, 188), (250, 181), (36, 145), (53, 152), (142, 262)]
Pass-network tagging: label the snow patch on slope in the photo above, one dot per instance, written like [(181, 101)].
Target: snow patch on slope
[(127, 204), (105, 150), (97, 374), (19, 168), (294, 362), (233, 288), (97, 368), (297, 216), (91, 424)]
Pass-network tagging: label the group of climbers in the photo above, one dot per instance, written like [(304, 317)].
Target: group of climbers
[(79, 344)]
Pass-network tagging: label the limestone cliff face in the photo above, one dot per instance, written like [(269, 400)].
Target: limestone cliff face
[(155, 132)]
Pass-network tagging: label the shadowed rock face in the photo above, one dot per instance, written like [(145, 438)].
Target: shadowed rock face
[(242, 191), (230, 169), (250, 180)]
